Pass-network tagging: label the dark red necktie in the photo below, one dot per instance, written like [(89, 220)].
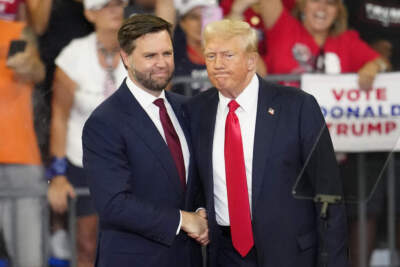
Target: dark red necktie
[(172, 140), (236, 184)]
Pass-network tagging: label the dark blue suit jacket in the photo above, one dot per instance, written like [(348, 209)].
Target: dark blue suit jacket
[(285, 229), (135, 186)]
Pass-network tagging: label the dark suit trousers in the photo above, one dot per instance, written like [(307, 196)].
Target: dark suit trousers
[(229, 257)]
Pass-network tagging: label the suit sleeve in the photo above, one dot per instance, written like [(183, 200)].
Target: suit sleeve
[(197, 193), (108, 172), (322, 173)]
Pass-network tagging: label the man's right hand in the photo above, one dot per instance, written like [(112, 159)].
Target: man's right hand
[(59, 191), (196, 226)]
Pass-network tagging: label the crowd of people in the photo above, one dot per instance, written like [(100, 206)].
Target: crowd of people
[(60, 59)]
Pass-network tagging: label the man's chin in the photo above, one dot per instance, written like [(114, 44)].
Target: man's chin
[(158, 86)]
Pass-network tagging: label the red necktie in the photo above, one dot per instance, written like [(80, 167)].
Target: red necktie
[(236, 184), (172, 140)]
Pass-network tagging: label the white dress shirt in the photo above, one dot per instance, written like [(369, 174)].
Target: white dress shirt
[(146, 100), (246, 114)]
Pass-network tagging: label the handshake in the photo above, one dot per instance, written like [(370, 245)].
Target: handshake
[(195, 225)]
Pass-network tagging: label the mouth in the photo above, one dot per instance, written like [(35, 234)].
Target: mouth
[(221, 75), (320, 15), (163, 74)]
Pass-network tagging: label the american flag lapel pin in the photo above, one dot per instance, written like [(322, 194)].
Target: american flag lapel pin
[(271, 111)]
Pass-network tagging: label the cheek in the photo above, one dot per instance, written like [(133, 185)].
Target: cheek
[(334, 13), (171, 64)]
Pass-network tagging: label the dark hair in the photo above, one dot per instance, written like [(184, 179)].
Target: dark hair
[(139, 25)]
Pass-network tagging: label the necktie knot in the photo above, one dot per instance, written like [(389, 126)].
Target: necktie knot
[(159, 102), (233, 105)]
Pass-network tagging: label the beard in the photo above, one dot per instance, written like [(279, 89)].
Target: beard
[(149, 83)]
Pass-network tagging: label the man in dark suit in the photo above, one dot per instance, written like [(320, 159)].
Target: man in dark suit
[(251, 140), (138, 163)]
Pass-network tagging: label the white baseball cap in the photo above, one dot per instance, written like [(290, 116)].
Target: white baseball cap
[(184, 6), (97, 4)]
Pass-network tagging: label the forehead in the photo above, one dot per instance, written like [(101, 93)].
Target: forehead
[(219, 44), (335, 2), (153, 42)]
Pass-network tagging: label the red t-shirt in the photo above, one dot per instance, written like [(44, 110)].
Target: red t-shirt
[(291, 49), (9, 9), (255, 20)]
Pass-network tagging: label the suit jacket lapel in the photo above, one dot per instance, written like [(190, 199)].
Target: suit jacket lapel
[(177, 107), (145, 129), (205, 146), (266, 123)]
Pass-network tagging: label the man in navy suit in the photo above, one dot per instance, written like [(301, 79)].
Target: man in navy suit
[(137, 159), (251, 140)]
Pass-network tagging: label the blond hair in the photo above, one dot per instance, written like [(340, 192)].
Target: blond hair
[(228, 29), (339, 25)]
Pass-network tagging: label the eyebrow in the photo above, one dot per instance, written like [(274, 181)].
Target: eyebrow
[(225, 51), (148, 53)]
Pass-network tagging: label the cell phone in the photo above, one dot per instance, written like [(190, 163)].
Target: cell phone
[(16, 46), (211, 14)]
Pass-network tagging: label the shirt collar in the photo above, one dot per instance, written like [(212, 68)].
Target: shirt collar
[(144, 98), (247, 99)]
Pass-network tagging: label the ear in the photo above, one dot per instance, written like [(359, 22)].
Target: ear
[(124, 57), (90, 16), (252, 58)]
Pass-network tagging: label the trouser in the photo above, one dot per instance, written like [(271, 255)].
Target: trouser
[(25, 245), (227, 254)]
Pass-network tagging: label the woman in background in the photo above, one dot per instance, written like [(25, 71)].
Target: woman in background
[(88, 70), (316, 39)]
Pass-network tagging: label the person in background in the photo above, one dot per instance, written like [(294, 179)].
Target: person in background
[(20, 161), (56, 22), (140, 7), (189, 59), (316, 39), (378, 25), (88, 70)]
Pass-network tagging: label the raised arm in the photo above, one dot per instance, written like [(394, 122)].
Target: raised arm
[(238, 7), (39, 14), (166, 9), (270, 11)]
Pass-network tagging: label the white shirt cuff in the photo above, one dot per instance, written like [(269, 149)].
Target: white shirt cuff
[(180, 223), (201, 208)]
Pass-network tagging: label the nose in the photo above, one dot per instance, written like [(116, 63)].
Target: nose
[(219, 63), (161, 62)]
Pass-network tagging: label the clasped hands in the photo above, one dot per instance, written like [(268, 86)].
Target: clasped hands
[(196, 226)]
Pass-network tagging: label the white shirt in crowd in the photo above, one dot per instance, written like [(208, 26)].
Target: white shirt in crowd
[(81, 67)]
